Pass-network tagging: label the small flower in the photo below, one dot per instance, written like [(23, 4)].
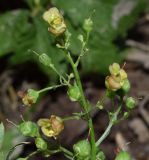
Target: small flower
[(112, 83), (30, 97), (51, 127), (55, 20), (117, 78)]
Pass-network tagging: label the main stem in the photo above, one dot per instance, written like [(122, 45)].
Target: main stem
[(85, 106)]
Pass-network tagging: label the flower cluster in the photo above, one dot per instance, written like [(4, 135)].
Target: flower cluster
[(117, 78), (55, 20)]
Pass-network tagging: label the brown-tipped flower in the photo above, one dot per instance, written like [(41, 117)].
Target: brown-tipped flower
[(55, 20), (117, 78), (30, 97), (112, 83), (27, 100), (51, 127)]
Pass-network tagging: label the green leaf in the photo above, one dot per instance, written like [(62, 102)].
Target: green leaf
[(2, 156), (2, 131), (100, 57), (23, 38), (8, 21), (11, 136)]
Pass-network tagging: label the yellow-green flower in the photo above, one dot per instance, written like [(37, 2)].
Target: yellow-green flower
[(114, 69), (51, 127), (117, 78), (55, 20)]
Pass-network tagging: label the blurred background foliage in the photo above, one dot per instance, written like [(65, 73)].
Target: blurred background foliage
[(24, 29)]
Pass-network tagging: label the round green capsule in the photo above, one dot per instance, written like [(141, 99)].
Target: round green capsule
[(29, 128), (123, 155), (82, 150), (126, 86), (41, 144), (130, 103), (100, 155), (74, 93)]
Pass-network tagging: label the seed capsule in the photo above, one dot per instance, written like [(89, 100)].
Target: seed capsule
[(130, 103), (123, 155), (82, 150)]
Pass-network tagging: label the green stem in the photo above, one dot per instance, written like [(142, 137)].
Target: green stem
[(108, 129), (32, 154), (84, 103), (105, 134), (82, 48), (71, 118), (58, 73), (50, 88), (67, 152)]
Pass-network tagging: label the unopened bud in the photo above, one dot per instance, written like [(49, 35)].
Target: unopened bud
[(45, 59), (88, 25), (29, 129), (74, 93), (41, 144), (126, 86), (82, 149), (130, 103)]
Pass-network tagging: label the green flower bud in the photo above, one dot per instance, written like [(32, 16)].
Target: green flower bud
[(81, 38), (41, 144), (45, 59), (88, 25), (123, 155), (29, 129), (130, 103), (126, 86), (74, 93), (82, 150), (100, 155), (126, 115)]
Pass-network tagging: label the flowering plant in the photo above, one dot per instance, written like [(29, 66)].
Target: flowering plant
[(117, 85)]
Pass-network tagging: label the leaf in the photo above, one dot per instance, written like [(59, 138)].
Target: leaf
[(100, 57), (12, 137), (2, 156), (23, 37), (2, 130)]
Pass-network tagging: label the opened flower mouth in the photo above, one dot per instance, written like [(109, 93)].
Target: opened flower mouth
[(55, 20), (51, 127)]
